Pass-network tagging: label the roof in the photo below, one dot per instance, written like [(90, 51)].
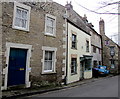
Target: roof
[(77, 26)]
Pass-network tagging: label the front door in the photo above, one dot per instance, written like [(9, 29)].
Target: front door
[(17, 66)]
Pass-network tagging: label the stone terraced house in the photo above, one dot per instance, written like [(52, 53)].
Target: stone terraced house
[(79, 59), (33, 49), (46, 42), (110, 52)]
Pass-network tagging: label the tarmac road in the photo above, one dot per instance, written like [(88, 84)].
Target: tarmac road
[(107, 87)]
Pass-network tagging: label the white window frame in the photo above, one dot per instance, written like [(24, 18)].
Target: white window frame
[(75, 67), (45, 48), (16, 4), (54, 30), (74, 42)]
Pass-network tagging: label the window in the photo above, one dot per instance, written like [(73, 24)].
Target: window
[(74, 41), (95, 63), (73, 65), (87, 46), (49, 59), (21, 16), (94, 49), (112, 63), (88, 64), (50, 25), (99, 51), (99, 62), (107, 42)]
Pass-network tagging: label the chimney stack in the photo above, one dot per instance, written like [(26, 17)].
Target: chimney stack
[(69, 6), (102, 26)]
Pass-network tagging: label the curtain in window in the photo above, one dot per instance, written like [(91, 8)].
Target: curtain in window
[(21, 18), (48, 63), (50, 25)]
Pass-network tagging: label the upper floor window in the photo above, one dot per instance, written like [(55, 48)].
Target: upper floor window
[(94, 49), (50, 25), (107, 42), (99, 51), (21, 16), (74, 41), (87, 46)]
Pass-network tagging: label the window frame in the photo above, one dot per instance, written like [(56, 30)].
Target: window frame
[(54, 27), (54, 50), (94, 49), (75, 71), (25, 7), (88, 66), (87, 46), (74, 41)]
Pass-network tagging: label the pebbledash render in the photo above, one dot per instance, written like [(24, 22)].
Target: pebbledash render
[(33, 43)]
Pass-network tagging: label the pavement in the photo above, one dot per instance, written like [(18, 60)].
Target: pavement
[(27, 92)]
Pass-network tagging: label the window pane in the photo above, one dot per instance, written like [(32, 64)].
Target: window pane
[(46, 55), (49, 30), (88, 64), (74, 44), (24, 23), (73, 37), (49, 65), (17, 22), (24, 15), (18, 13), (50, 55), (45, 65), (50, 21)]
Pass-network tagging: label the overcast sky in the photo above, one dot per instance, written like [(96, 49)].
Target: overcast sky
[(111, 21)]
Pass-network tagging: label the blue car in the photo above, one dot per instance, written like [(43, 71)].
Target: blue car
[(100, 71)]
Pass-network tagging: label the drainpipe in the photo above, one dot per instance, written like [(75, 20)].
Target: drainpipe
[(66, 48)]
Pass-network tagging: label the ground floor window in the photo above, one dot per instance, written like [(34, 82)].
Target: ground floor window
[(49, 59), (73, 65), (112, 64), (88, 64), (100, 63), (95, 63)]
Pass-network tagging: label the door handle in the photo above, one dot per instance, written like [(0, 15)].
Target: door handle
[(21, 69)]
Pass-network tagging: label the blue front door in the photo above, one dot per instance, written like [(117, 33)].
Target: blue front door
[(17, 66)]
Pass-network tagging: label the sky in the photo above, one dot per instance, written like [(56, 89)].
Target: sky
[(111, 20)]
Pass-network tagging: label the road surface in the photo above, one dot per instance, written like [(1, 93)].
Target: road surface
[(106, 87)]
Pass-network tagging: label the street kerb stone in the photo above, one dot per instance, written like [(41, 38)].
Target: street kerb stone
[(0, 49)]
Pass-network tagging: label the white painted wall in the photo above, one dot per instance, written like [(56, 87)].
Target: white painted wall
[(81, 50)]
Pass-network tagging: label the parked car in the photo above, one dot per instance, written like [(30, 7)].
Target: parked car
[(100, 71)]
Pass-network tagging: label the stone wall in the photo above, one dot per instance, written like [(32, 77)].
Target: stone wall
[(36, 37), (106, 43), (96, 42)]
